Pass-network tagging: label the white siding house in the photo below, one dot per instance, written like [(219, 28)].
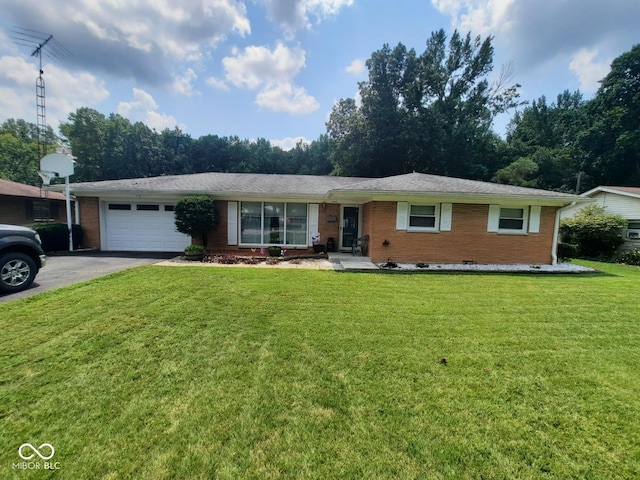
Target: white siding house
[(623, 201)]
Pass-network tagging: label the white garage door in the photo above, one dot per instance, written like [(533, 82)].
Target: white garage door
[(143, 227)]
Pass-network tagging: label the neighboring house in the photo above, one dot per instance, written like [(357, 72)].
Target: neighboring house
[(623, 201), (22, 204), (408, 218)]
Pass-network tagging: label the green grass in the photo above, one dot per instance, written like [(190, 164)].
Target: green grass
[(233, 373)]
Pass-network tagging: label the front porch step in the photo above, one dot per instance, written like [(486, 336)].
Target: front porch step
[(348, 262)]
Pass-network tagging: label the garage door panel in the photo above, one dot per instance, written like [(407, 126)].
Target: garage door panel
[(143, 230)]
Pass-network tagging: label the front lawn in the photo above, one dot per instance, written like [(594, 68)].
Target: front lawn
[(232, 373)]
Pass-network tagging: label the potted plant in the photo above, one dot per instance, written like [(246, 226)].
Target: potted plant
[(194, 252), (274, 251)]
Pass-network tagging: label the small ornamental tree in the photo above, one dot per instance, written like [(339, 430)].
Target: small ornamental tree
[(196, 215), (595, 232)]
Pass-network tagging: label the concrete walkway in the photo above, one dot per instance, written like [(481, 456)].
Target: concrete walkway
[(352, 263)]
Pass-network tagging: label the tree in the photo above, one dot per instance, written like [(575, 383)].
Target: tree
[(521, 173), (613, 140), (430, 112), (19, 155), (85, 133), (547, 135), (196, 215)]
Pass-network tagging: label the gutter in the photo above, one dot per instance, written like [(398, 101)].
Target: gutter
[(556, 232)]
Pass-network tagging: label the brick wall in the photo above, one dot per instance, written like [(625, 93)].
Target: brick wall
[(13, 210), (329, 229), (90, 221), (467, 240)]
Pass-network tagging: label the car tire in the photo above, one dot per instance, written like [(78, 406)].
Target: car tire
[(17, 271)]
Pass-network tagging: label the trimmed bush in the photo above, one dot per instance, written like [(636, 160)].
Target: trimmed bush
[(597, 234), (55, 236), (629, 257), (567, 251), (196, 215)]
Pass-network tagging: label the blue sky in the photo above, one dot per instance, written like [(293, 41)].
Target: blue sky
[(274, 68)]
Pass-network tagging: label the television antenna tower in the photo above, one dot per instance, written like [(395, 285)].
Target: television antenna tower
[(40, 43)]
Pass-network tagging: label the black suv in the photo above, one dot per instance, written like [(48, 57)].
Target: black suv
[(21, 257)]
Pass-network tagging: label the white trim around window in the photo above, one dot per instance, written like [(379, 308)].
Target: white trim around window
[(271, 223), (419, 217), (509, 219)]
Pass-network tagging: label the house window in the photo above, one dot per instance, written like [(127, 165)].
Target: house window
[(119, 206), (273, 223), (147, 207), (296, 225), (422, 217), (511, 219), (634, 224), (251, 223), (41, 210)]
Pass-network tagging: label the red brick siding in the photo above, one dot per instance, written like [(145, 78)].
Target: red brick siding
[(13, 210), (467, 240)]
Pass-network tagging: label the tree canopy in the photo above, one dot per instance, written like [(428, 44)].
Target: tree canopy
[(430, 112)]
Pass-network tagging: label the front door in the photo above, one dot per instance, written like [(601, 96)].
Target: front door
[(349, 233)]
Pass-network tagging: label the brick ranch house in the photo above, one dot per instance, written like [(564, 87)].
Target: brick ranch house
[(22, 204), (409, 218)]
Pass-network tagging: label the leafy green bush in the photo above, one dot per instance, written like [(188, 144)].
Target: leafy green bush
[(194, 249), (196, 215), (567, 251), (629, 257), (596, 233), (55, 236)]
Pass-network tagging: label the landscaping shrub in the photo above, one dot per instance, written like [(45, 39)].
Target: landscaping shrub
[(567, 251), (55, 236), (196, 215), (629, 257), (596, 233)]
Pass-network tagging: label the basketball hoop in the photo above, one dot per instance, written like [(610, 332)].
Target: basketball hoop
[(46, 176)]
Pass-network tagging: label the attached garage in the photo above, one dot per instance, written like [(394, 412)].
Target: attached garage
[(141, 227)]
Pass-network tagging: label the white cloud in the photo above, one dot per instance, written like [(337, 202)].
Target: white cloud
[(481, 17), (65, 91), (588, 71), (289, 143), (135, 40), (274, 72), (217, 84), (259, 65), (184, 84), (293, 15), (357, 67), (143, 108), (286, 98)]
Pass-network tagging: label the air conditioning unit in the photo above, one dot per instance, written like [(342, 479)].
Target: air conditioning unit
[(633, 234)]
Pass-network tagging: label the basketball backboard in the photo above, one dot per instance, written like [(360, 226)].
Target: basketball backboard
[(57, 163)]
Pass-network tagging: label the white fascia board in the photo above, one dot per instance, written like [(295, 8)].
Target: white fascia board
[(612, 190), (476, 199)]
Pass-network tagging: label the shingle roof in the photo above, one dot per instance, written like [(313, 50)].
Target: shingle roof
[(254, 184), (423, 183), (15, 189), (222, 183)]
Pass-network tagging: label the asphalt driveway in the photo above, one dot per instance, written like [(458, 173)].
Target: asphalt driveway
[(65, 269)]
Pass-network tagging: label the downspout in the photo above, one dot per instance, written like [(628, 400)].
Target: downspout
[(556, 231), (76, 210)]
